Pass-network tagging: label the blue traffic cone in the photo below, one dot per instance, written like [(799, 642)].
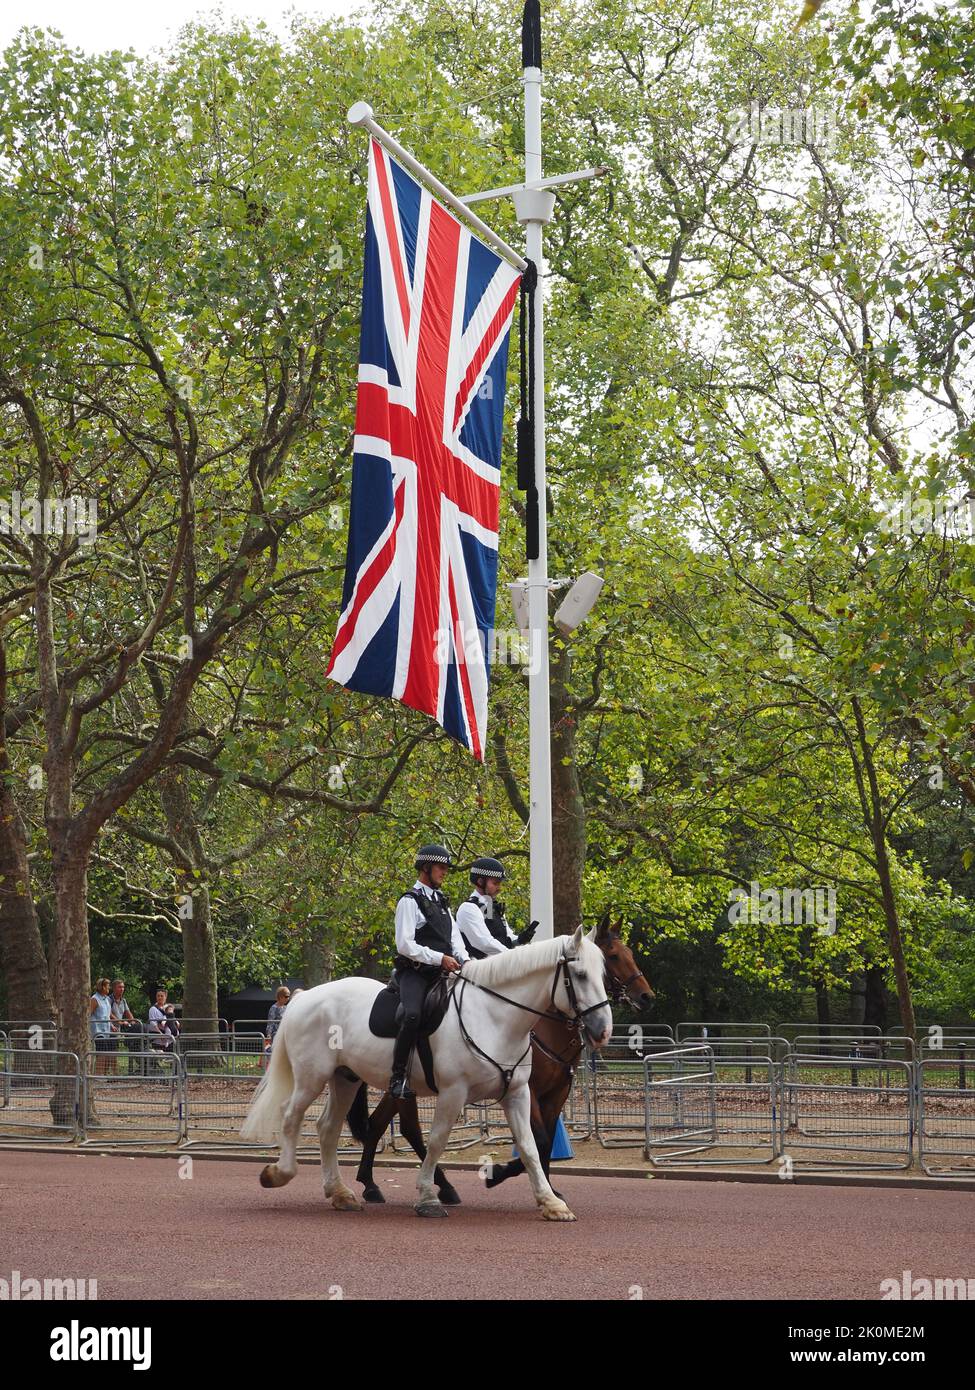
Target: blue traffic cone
[(561, 1148)]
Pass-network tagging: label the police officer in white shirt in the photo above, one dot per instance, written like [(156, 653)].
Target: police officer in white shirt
[(481, 919), (427, 942)]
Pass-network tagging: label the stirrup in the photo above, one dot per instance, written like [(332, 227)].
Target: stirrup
[(399, 1089)]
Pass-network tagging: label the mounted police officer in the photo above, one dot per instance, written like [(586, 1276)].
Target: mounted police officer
[(427, 942), (481, 919)]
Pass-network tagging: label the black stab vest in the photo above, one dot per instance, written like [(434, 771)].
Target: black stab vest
[(434, 931), (496, 925)]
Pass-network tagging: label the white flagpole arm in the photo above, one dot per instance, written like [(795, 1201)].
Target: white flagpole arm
[(554, 182), (361, 114)]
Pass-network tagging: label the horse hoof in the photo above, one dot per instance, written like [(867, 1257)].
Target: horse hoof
[(557, 1211), (346, 1201), (372, 1194), (429, 1209), (267, 1177), (449, 1195)]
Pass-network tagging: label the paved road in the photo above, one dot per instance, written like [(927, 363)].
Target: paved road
[(218, 1234)]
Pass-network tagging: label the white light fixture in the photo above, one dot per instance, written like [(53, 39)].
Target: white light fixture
[(578, 602), (519, 604)]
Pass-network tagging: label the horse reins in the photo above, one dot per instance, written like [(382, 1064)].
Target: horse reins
[(576, 1021), (506, 1073), (618, 990)]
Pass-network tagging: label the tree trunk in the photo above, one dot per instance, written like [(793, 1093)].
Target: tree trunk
[(199, 950), (21, 953), (199, 965), (369, 963), (878, 833), (858, 1000), (894, 938), (822, 1012), (71, 980), (22, 957), (875, 1004), (568, 806), (317, 958)]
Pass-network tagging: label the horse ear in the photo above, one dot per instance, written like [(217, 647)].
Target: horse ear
[(590, 935), (577, 937), (602, 930)]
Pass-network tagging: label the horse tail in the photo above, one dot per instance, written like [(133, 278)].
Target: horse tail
[(358, 1116), (263, 1119)]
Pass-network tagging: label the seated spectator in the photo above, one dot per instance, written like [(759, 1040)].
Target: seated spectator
[(163, 1027), (130, 1028), (103, 1031), (274, 1017)]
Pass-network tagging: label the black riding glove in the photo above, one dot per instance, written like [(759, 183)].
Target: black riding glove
[(527, 934)]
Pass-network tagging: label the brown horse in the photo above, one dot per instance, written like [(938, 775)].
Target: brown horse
[(556, 1048)]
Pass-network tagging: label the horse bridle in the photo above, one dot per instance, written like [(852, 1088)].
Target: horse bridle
[(576, 1021), (578, 1015), (619, 988)]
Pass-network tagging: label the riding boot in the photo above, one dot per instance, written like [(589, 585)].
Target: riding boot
[(402, 1052)]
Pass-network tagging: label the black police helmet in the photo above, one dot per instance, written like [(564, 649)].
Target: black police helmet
[(432, 854), (486, 868)]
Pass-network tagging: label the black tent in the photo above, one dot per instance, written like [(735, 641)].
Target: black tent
[(252, 1003)]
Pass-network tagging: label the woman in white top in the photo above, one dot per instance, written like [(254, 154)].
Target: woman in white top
[(103, 1031)]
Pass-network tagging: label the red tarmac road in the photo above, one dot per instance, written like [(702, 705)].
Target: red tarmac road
[(86, 1216)]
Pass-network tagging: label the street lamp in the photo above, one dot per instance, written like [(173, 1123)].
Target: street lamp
[(578, 602)]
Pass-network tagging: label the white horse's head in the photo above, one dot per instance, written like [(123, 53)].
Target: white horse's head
[(581, 991)]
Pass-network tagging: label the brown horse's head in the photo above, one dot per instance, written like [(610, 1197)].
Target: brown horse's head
[(626, 981)]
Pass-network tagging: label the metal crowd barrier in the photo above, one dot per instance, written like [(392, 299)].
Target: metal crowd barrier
[(9, 1025), (240, 1051), (41, 1096), (577, 1111), (945, 1118), (724, 1096), (216, 1101), (32, 1038), (250, 1025), (217, 1094), (679, 1112), (689, 1032), (825, 1031), (958, 1053), (614, 1079), (144, 1109), (472, 1127), (216, 1098), (614, 1076), (864, 1125), (854, 1103), (855, 1044)]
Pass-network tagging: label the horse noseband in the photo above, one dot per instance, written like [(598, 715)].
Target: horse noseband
[(620, 988), (578, 1015)]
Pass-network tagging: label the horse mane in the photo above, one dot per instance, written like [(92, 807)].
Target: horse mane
[(505, 966)]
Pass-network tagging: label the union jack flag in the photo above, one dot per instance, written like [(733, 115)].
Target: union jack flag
[(422, 559)]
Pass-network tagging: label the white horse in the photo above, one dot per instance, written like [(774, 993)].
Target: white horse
[(481, 1051)]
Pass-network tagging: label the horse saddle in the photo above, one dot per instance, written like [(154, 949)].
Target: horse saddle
[(384, 1016)]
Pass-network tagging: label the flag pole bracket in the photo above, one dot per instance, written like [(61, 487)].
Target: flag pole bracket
[(362, 114)]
